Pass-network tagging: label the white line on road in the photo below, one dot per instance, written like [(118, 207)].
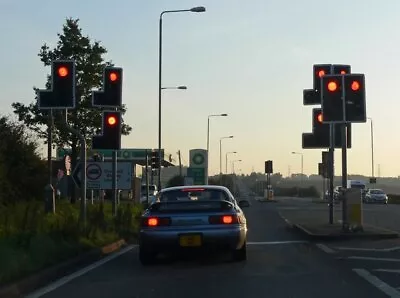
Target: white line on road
[(370, 249), (276, 242), (388, 270), (325, 248), (376, 282), (370, 259), (66, 279)]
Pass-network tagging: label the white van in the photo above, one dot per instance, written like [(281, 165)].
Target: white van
[(356, 184), (152, 192)]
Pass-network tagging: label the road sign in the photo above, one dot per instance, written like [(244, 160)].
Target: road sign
[(76, 175), (198, 158), (198, 175), (99, 175), (123, 154)]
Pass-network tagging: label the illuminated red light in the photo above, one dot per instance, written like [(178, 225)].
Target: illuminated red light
[(320, 118), (152, 222), (332, 86), (355, 86), (227, 219), (113, 77), (112, 120), (62, 71), (342, 72), (321, 73)]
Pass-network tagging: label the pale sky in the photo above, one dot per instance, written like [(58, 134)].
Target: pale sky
[(250, 59)]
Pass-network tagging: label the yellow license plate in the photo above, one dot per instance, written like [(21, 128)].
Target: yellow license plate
[(190, 240)]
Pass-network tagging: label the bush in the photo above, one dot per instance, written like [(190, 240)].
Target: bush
[(177, 180), (309, 192), (31, 240), (393, 199)]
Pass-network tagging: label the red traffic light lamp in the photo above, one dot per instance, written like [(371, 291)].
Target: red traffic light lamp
[(320, 118), (62, 71), (355, 86), (111, 120), (113, 76), (332, 86)]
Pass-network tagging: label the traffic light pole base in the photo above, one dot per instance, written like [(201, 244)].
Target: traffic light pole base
[(49, 199)]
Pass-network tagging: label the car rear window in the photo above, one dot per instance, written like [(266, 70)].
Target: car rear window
[(194, 194), (377, 192)]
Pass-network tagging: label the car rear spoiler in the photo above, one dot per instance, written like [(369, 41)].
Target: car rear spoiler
[(191, 206)]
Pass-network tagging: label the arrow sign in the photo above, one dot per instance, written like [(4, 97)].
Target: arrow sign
[(76, 175)]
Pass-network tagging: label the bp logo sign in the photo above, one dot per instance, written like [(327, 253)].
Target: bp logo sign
[(198, 159)]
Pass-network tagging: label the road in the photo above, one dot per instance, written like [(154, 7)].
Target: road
[(280, 264)]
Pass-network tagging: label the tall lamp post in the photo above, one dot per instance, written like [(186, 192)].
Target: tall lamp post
[(226, 160), (233, 165), (220, 154), (194, 9), (208, 139), (372, 148), (302, 170)]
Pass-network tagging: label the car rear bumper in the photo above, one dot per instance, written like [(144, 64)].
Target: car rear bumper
[(169, 239)]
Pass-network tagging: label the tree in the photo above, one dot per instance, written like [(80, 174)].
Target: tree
[(90, 63), (22, 172), (177, 180)]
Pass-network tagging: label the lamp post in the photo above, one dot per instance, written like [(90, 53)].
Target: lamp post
[(372, 148), (226, 160), (220, 154), (194, 9), (233, 165), (302, 172), (208, 139)]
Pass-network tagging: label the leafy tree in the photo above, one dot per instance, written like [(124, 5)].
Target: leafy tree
[(90, 63), (22, 172), (177, 180)]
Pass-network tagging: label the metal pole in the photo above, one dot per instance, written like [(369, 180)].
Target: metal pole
[(226, 163), (208, 146), (159, 102), (344, 174), (220, 158), (331, 172), (114, 182), (372, 149), (302, 171), (83, 167), (147, 176), (49, 192)]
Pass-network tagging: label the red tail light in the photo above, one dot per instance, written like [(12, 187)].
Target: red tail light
[(223, 219), (156, 221)]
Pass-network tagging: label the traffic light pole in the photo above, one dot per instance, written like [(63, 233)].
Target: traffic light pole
[(344, 175), (50, 203), (331, 172), (83, 166), (147, 176), (114, 183)]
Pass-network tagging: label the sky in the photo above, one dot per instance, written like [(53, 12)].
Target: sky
[(249, 59)]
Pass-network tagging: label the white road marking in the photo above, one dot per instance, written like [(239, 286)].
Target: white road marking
[(370, 249), (325, 248), (388, 270), (370, 259), (276, 242), (376, 282), (66, 279)]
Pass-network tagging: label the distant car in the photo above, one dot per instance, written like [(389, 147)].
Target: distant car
[(193, 217), (376, 196)]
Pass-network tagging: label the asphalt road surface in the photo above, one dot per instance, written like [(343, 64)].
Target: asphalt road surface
[(280, 264)]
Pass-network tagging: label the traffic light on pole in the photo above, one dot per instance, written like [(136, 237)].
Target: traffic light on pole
[(111, 136), (111, 95), (268, 167), (154, 159), (341, 69), (62, 92), (354, 90), (332, 98), (319, 71)]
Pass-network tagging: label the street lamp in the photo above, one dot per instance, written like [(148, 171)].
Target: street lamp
[(233, 165), (194, 9), (226, 160), (220, 153), (302, 173), (372, 147), (178, 88), (208, 139)]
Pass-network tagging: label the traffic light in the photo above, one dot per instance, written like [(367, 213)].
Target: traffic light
[(332, 98), (320, 70), (354, 88), (111, 95), (111, 137), (320, 137), (62, 92), (311, 97), (268, 167), (154, 159), (341, 69)]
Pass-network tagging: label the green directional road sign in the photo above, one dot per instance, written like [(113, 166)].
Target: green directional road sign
[(123, 154), (198, 175)]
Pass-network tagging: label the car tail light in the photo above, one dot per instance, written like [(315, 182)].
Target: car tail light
[(156, 221), (223, 219)]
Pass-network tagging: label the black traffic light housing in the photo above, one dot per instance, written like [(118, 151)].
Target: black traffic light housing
[(341, 69), (332, 98), (111, 94), (354, 89), (111, 132), (268, 167), (320, 137), (319, 71), (62, 92), (154, 159)]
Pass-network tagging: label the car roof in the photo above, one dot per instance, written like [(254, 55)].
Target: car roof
[(211, 187)]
